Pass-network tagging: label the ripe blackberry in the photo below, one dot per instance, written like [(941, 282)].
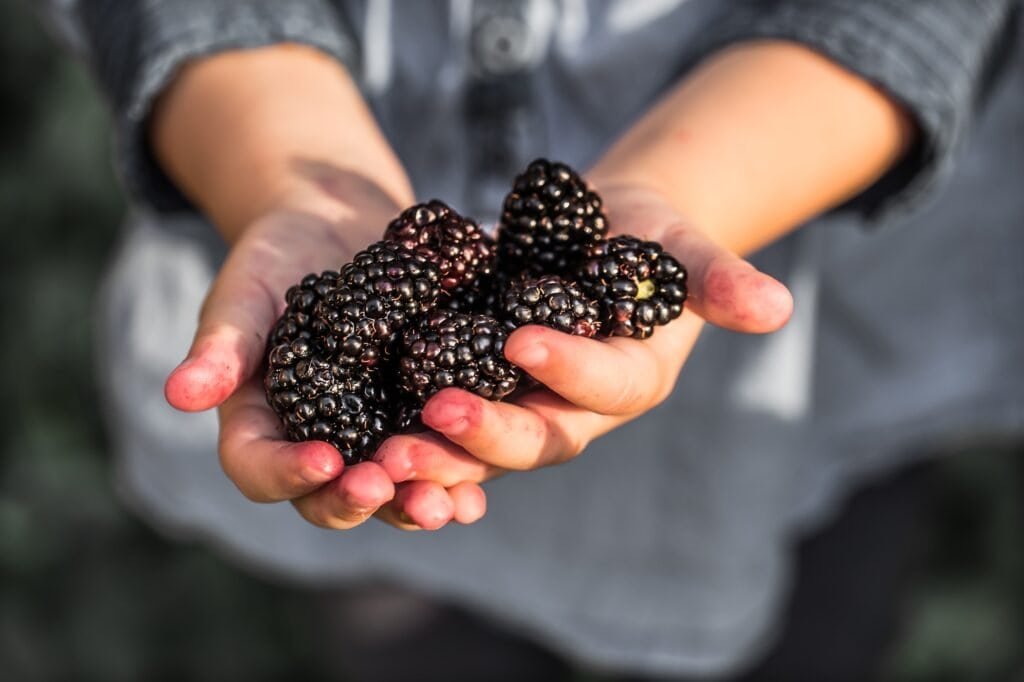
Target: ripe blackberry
[(317, 399), (483, 297), (406, 416), (375, 296), (636, 284), (548, 219), (454, 349), (552, 302), (454, 243), (301, 299)]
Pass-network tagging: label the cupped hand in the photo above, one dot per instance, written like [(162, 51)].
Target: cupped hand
[(223, 369), (474, 439)]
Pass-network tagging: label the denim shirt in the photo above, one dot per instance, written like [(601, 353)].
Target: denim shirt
[(663, 548)]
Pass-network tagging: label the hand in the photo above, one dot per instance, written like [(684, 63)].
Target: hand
[(224, 369), (477, 439)]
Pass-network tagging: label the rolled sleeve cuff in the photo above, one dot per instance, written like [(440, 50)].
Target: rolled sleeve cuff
[(137, 48), (931, 56)]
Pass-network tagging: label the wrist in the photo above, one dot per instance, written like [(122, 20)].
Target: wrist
[(250, 132)]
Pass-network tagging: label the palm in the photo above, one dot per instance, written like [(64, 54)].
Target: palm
[(223, 367)]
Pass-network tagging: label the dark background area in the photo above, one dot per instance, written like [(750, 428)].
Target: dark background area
[(88, 592)]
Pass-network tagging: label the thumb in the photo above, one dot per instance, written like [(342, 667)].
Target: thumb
[(229, 342), (725, 289)]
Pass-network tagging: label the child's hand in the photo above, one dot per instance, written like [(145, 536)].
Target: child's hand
[(224, 369), (478, 439)]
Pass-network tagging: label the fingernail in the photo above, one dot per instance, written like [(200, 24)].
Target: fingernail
[(405, 518), (532, 356), (320, 467)]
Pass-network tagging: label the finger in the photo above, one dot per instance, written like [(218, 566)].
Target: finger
[(230, 339), (350, 500), (424, 503), (543, 429), (723, 288), (431, 457), (470, 502), (263, 466), (577, 368), (390, 515)]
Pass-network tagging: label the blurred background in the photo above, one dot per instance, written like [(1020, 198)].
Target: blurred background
[(88, 592)]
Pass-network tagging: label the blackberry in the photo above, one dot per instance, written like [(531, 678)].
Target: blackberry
[(455, 244), (375, 296), (482, 297), (552, 302), (449, 349), (407, 414), (301, 299), (548, 219), (318, 399), (636, 284)]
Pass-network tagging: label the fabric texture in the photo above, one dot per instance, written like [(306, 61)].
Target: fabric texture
[(137, 47), (664, 549), (931, 55)]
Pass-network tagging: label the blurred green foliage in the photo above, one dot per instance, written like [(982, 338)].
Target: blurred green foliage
[(89, 593)]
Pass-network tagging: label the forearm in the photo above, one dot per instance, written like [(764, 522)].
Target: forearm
[(757, 140), (283, 126)]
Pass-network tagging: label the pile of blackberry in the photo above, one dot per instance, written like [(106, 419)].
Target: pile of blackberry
[(359, 351)]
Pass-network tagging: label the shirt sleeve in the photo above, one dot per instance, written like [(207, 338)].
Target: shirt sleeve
[(935, 57), (135, 48)]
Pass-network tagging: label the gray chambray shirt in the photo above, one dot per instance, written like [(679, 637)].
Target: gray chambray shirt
[(664, 547)]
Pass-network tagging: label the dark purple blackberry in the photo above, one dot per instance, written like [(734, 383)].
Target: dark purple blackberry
[(318, 399), (636, 284), (483, 297), (407, 415), (552, 302), (375, 296), (447, 349), (454, 243), (548, 220), (301, 299)]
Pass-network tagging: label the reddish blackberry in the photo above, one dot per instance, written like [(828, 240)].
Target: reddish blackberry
[(317, 399), (552, 302), (636, 284), (455, 244), (375, 295), (549, 218), (454, 349)]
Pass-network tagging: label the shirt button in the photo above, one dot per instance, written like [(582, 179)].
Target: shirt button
[(500, 44)]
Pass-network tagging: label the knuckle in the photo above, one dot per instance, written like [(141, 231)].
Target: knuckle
[(563, 445), (629, 396), (312, 514), (251, 493), (626, 399), (665, 389), (319, 515)]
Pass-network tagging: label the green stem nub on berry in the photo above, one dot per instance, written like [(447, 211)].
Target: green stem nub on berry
[(636, 285)]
